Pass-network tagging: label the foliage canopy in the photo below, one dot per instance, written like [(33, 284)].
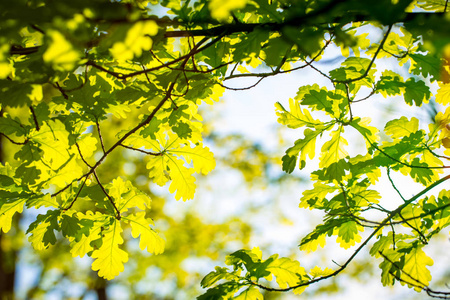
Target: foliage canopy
[(68, 68)]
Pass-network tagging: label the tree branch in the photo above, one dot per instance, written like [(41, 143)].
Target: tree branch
[(378, 228)]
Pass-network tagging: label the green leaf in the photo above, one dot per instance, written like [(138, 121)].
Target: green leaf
[(318, 100), (370, 133), (421, 173), (390, 267), (425, 65), (151, 128), (353, 68), (42, 230), (91, 231), (182, 130), (9, 126), (348, 234), (390, 84), (214, 276), (222, 291), (416, 91), (305, 146)]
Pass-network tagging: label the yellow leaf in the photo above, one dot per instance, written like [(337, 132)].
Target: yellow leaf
[(443, 93), (287, 272), (221, 9), (149, 238), (53, 139), (158, 170), (83, 246), (87, 144), (60, 53), (7, 211), (137, 40), (348, 234), (201, 157), (318, 272), (182, 180), (312, 245), (333, 150), (399, 128), (251, 293), (242, 69), (109, 258), (415, 267), (69, 171), (295, 117)]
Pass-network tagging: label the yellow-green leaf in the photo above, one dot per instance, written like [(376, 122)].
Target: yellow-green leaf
[(416, 263), (109, 258), (401, 127), (83, 246), (149, 238), (201, 157), (182, 180), (251, 293), (318, 272), (158, 170), (333, 150), (7, 211), (348, 234), (443, 94), (288, 272), (61, 53), (295, 117)]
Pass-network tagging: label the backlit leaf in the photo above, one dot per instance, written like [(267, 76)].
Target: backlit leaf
[(148, 237), (109, 258), (415, 267), (333, 150)]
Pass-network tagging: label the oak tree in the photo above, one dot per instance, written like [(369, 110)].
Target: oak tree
[(88, 84)]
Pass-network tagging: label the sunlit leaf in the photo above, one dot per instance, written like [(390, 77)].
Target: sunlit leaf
[(109, 258)]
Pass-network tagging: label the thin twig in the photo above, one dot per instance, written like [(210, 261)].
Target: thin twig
[(393, 184), (376, 230), (423, 239), (418, 284), (403, 163), (371, 62), (143, 151), (81, 155), (244, 88), (136, 73), (100, 136), (76, 196), (14, 142), (133, 130), (36, 123), (107, 195), (63, 92)]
